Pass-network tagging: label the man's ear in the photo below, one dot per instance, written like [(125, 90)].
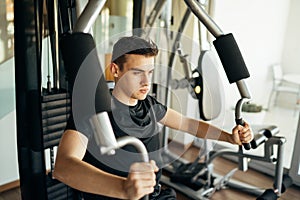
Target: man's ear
[(114, 69)]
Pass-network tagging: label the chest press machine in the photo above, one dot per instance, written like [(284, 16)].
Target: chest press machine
[(201, 174), (234, 67)]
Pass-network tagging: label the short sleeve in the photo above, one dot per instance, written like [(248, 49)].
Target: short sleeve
[(159, 109)]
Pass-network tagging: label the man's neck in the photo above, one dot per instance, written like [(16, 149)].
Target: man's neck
[(124, 99)]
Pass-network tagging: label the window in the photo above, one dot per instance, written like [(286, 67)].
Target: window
[(6, 30)]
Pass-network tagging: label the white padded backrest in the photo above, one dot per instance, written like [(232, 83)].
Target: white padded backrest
[(213, 90)]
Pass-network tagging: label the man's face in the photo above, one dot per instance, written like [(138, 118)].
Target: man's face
[(134, 81)]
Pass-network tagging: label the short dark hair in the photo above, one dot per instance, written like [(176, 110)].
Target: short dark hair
[(132, 45)]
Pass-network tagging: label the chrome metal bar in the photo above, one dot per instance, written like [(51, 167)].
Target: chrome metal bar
[(243, 89), (238, 107), (88, 16), (279, 164), (129, 140), (105, 137), (155, 13), (107, 141), (201, 14)]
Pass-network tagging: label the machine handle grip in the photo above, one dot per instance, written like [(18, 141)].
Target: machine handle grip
[(242, 122)]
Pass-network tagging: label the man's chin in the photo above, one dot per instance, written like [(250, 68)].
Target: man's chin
[(142, 97)]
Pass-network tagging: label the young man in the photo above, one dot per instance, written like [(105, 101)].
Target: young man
[(79, 163)]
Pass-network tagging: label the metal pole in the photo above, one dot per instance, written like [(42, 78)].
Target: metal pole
[(279, 165), (200, 13), (88, 16), (56, 47)]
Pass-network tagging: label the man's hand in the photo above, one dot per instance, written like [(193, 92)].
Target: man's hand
[(140, 180), (241, 134)]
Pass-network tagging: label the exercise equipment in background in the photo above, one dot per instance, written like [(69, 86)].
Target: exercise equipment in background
[(197, 178)]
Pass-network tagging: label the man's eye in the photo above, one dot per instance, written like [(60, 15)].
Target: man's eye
[(137, 73)]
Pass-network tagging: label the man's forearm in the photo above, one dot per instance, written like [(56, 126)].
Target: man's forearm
[(87, 178), (209, 131)]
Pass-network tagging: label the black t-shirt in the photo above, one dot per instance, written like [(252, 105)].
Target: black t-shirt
[(139, 121)]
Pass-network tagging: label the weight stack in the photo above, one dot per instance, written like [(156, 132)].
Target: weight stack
[(55, 113), (56, 109)]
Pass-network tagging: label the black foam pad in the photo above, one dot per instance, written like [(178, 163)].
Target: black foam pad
[(231, 58), (74, 48), (80, 56)]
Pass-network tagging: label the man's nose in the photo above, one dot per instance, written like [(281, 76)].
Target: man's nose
[(146, 79)]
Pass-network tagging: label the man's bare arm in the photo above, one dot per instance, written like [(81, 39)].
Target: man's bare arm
[(202, 129), (71, 170)]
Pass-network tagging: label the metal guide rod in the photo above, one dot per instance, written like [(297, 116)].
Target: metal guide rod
[(88, 16), (153, 16), (56, 56), (155, 13)]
